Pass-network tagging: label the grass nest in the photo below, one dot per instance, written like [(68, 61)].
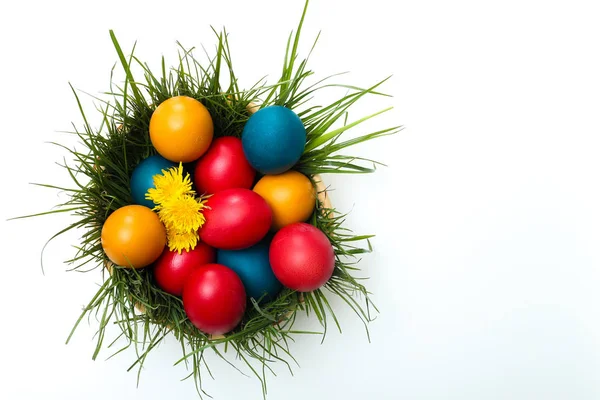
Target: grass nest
[(101, 175)]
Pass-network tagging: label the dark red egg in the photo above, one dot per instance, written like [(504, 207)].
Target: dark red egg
[(214, 299), (301, 256), (171, 270), (235, 219), (224, 166)]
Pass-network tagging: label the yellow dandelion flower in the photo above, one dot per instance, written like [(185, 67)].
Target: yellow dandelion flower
[(170, 185), (179, 241), (177, 208), (182, 214)]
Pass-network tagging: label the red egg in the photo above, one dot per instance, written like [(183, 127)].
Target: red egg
[(214, 299), (224, 166), (171, 270), (235, 219), (301, 256)]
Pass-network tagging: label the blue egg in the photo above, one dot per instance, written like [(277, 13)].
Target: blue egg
[(142, 178), (253, 267), (273, 139)]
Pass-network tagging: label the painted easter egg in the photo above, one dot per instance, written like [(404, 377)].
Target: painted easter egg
[(302, 257), (290, 195), (224, 166), (143, 175), (181, 129), (172, 268), (253, 267), (235, 219), (133, 236), (214, 299), (273, 139)]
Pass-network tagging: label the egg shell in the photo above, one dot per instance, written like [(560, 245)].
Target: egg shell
[(235, 219), (302, 257), (254, 269), (224, 166), (172, 268), (143, 175), (273, 139), (214, 299)]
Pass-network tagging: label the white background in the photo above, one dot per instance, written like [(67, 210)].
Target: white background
[(487, 260)]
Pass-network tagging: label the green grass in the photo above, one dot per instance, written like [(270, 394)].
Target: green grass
[(101, 174)]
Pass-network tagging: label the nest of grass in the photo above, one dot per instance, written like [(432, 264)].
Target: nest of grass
[(101, 177)]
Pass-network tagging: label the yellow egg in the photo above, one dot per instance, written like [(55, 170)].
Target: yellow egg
[(181, 129), (133, 236), (290, 195)]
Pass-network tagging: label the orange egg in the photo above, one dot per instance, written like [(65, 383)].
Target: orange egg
[(181, 129), (290, 195), (133, 236)]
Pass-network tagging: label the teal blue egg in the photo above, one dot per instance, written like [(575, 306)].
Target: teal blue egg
[(253, 267), (273, 139), (142, 178)]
